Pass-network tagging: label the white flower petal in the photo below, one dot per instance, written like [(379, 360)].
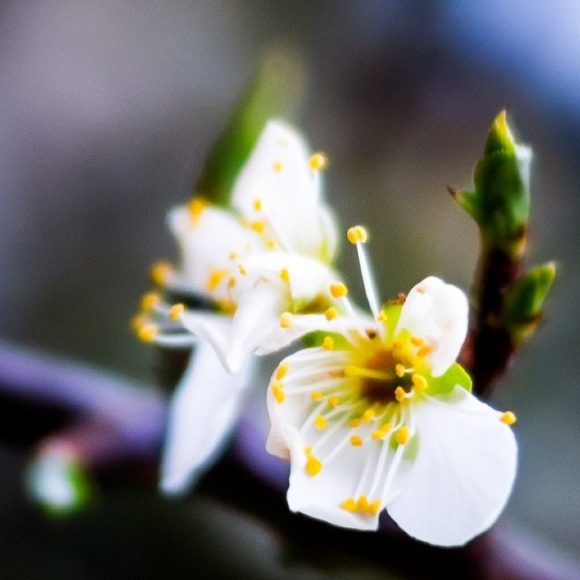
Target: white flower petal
[(436, 312), (207, 244), (463, 473), (278, 174), (204, 410), (213, 328)]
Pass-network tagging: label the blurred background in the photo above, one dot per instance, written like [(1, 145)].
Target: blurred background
[(106, 112)]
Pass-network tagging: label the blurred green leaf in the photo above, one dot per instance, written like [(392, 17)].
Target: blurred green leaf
[(455, 375), (275, 91)]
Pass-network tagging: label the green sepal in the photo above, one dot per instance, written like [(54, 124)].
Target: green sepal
[(525, 300), (59, 484), (453, 376), (276, 91), (500, 202), (315, 338)]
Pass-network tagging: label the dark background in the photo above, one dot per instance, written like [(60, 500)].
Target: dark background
[(106, 111)]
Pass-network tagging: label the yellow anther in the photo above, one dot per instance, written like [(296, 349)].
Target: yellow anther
[(196, 208), (138, 321), (215, 278), (278, 166), (349, 504), (317, 395), (400, 370), (333, 401), (160, 272), (357, 234), (425, 351), (328, 343), (233, 256), (282, 370), (338, 290), (356, 440), (368, 415), (286, 320), (176, 311), (318, 161), (257, 204), (231, 283), (150, 301), (227, 306), (363, 503), (278, 392), (402, 436), (243, 269), (419, 381), (271, 244), (416, 341), (374, 507), (382, 316), (285, 275), (320, 423), (331, 313), (258, 227), (147, 333), (354, 423), (508, 418), (313, 464), (400, 394), (381, 433)]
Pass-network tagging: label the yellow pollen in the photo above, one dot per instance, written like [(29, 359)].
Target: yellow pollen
[(233, 255), (400, 370), (313, 464), (176, 311), (328, 343), (331, 313), (278, 392), (381, 433), (400, 394), (231, 283), (416, 341), (196, 208), (320, 423), (258, 204), (424, 351), (147, 333), (419, 381), (150, 301), (286, 320), (356, 440), (243, 269), (227, 306), (363, 503), (318, 161), (333, 401), (357, 234), (282, 370), (374, 507), (317, 396), (403, 435), (271, 244), (278, 166), (368, 415), (354, 423), (160, 272), (138, 321), (382, 316), (285, 275), (338, 290), (258, 227), (215, 278), (508, 418), (349, 504)]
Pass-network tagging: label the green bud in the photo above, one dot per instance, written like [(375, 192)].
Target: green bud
[(58, 483), (500, 203), (276, 91), (525, 300)]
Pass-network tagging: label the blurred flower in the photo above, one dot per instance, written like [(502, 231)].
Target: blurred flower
[(263, 265), (380, 416)]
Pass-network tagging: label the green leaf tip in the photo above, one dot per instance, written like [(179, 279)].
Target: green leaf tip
[(58, 483), (275, 91), (500, 201), (525, 300)]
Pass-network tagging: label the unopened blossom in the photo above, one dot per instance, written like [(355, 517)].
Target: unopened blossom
[(380, 416), (262, 266)]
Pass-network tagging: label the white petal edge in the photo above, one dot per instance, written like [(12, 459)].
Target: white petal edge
[(203, 412), (436, 312), (210, 327), (463, 473)]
